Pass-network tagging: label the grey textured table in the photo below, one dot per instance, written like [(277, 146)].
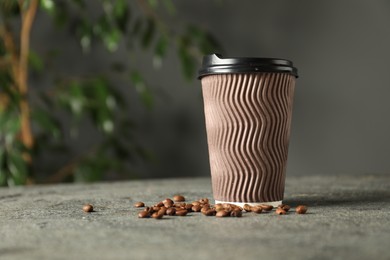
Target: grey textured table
[(348, 218)]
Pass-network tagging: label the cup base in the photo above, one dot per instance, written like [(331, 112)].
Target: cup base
[(241, 204)]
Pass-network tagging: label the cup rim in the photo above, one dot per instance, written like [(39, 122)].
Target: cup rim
[(217, 64)]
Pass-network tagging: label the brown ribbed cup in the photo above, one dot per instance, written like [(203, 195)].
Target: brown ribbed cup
[(248, 118)]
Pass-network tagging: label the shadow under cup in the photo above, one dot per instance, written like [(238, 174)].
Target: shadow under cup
[(248, 108)]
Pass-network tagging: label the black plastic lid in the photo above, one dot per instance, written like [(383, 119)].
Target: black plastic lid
[(216, 64)]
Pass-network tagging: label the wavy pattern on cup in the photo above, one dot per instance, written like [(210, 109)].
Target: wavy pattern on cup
[(248, 118)]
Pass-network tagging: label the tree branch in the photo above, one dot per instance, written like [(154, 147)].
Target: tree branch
[(22, 77)]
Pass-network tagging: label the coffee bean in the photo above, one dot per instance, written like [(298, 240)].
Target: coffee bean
[(205, 205), (148, 209), (157, 215), (168, 203), (181, 212), (301, 209), (203, 210), (266, 207), (222, 214), (204, 200), (188, 207), (139, 204), (163, 210), (280, 211), (209, 212), (195, 203), (143, 214), (178, 198), (247, 208), (238, 207), (160, 204), (196, 208), (156, 208), (179, 205), (170, 211), (285, 207), (236, 213), (257, 209), (218, 207), (87, 208), (227, 207)]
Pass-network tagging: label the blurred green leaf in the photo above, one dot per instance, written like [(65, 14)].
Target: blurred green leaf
[(35, 61), (141, 88), (85, 31), (148, 33), (137, 26), (46, 122), (9, 7), (9, 126), (104, 104), (48, 6), (160, 51), (188, 63), (6, 82), (61, 15), (121, 14), (17, 167), (88, 171), (72, 98), (111, 39), (169, 6)]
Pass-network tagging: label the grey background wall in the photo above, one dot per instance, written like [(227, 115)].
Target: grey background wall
[(341, 48)]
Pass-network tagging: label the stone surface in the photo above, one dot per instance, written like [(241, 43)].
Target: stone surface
[(348, 218)]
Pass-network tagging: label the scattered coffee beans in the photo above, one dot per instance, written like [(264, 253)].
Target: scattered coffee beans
[(204, 201), (257, 209), (181, 212), (196, 208), (170, 211), (236, 213), (301, 209), (284, 207), (266, 207), (156, 208), (280, 211), (87, 208), (195, 203), (163, 210), (168, 203), (143, 214), (157, 215), (178, 198), (179, 205), (160, 204), (176, 207), (218, 207), (188, 207), (139, 204), (209, 212), (247, 208), (222, 214)]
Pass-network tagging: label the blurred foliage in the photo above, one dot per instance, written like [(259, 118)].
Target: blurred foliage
[(93, 99)]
